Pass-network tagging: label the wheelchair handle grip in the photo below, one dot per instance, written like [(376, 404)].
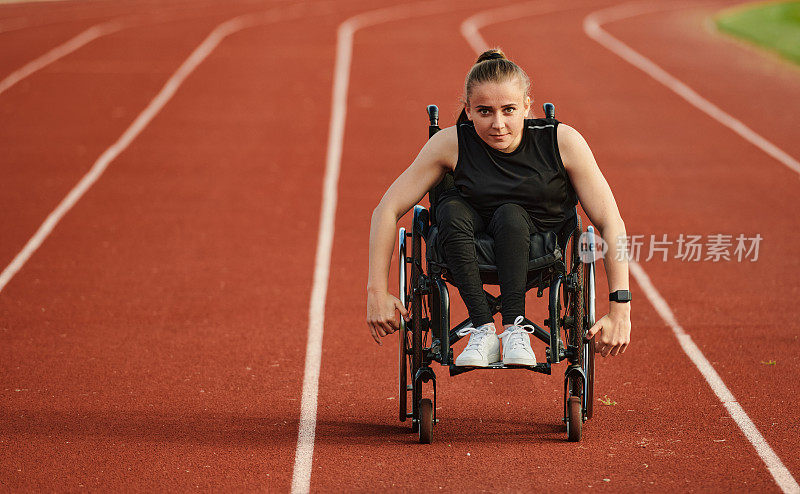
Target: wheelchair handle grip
[(549, 110), (433, 115)]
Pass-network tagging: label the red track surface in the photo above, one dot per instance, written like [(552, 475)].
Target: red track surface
[(157, 338)]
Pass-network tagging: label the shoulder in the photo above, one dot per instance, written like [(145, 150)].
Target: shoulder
[(570, 143), (567, 134), (443, 147), (574, 150), (445, 138)]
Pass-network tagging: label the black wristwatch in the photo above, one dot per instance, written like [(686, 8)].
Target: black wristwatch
[(620, 296)]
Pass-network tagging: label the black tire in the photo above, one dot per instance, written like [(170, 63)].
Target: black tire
[(425, 421), (416, 319), (577, 308), (402, 342), (574, 418)]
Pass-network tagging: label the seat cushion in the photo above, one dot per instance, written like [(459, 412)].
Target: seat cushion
[(544, 250)]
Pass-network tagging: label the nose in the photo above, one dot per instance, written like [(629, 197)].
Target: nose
[(497, 122)]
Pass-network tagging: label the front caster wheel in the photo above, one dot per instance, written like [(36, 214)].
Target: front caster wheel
[(574, 418), (425, 421)]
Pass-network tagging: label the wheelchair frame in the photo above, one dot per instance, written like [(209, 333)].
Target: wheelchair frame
[(569, 280)]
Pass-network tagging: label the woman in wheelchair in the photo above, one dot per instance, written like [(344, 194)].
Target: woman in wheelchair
[(513, 177)]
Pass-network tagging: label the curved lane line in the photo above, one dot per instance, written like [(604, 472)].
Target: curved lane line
[(61, 51), (145, 117), (592, 26), (470, 29), (779, 472), (304, 455)]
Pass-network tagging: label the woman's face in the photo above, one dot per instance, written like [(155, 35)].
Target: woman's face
[(498, 110)]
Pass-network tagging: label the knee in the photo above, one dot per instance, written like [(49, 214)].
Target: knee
[(511, 219), (454, 217)]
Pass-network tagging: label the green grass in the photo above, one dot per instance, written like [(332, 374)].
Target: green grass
[(774, 26)]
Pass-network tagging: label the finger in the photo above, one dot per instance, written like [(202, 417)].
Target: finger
[(375, 336), (394, 324), (623, 348), (615, 350), (403, 311), (386, 328), (593, 331), (605, 351)]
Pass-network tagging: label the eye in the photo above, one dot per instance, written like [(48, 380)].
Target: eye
[(483, 111), (510, 109)]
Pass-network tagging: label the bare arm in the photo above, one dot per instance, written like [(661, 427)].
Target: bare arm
[(437, 157), (598, 201)]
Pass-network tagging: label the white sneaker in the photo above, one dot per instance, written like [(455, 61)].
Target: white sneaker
[(517, 344), (482, 349)]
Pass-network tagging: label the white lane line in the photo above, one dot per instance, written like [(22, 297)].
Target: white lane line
[(779, 472), (592, 26), (60, 51), (145, 117), (470, 27), (304, 455)]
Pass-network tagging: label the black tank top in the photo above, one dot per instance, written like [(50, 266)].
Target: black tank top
[(532, 175)]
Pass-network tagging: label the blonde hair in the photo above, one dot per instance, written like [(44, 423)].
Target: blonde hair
[(493, 66)]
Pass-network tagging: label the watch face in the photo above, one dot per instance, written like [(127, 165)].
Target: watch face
[(620, 296)]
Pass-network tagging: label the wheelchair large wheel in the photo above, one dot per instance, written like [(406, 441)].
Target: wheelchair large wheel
[(577, 301), (575, 307), (416, 323), (403, 343), (588, 348)]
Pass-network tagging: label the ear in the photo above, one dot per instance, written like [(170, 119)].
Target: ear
[(528, 102), (468, 111)]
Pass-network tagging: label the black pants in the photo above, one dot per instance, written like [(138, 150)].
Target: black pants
[(511, 227)]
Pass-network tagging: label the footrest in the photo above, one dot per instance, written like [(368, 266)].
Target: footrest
[(543, 368)]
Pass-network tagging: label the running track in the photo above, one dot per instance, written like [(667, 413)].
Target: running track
[(157, 338)]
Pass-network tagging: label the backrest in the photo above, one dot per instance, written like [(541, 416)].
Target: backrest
[(446, 183)]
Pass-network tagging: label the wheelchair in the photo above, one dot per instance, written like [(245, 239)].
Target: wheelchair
[(568, 276)]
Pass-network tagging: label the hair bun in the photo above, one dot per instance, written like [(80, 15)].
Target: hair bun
[(493, 54)]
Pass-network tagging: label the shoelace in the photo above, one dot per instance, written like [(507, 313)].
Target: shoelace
[(514, 333), (477, 336)]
